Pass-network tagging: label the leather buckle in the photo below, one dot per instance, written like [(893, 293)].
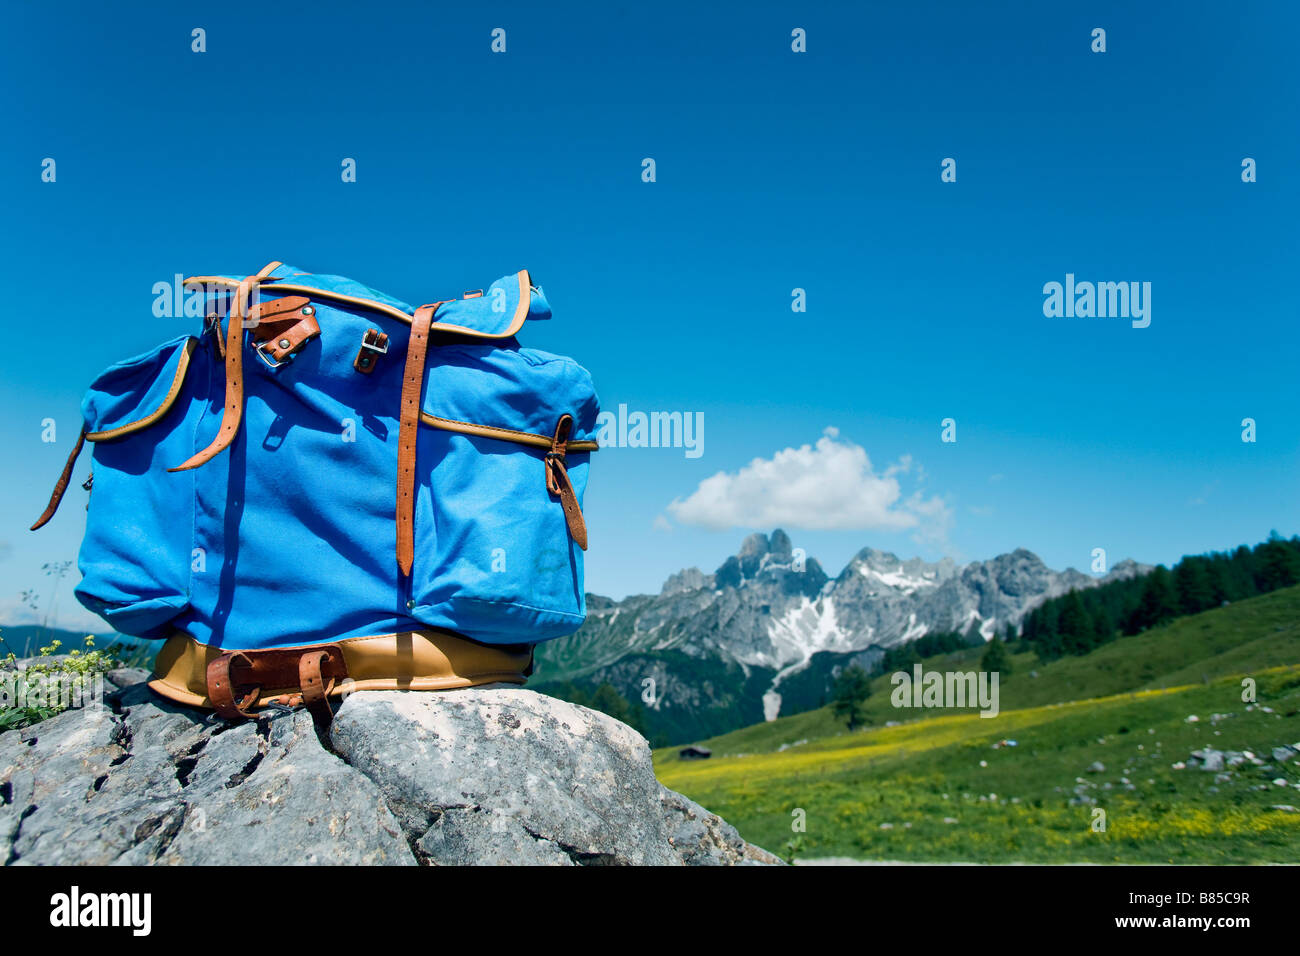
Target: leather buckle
[(282, 328), (373, 344), (267, 360)]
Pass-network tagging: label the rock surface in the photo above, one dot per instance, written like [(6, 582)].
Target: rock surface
[(490, 775)]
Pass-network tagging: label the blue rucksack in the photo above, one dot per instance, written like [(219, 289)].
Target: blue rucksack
[(328, 473)]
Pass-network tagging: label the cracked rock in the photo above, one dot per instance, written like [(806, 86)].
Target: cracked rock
[(472, 836), (489, 775), (156, 783)]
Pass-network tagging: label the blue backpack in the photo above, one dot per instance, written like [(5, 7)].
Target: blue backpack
[(328, 485)]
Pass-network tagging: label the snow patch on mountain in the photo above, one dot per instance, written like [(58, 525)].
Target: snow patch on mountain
[(771, 607), (805, 629), (899, 580), (801, 632)]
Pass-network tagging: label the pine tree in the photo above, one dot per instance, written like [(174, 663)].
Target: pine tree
[(1193, 592), (1158, 601), (849, 696), (1216, 574), (1103, 626), (1277, 564), (1075, 627), (995, 658)]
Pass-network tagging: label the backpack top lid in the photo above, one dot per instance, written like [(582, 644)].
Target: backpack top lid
[(137, 391), (495, 312)]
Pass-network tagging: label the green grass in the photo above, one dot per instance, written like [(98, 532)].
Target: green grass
[(1125, 705)]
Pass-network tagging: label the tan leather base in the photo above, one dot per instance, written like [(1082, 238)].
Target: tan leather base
[(410, 660)]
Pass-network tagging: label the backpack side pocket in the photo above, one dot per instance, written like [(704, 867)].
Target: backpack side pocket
[(136, 555)]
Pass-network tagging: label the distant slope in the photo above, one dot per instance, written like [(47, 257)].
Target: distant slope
[(1251, 635), (26, 640), (918, 791)]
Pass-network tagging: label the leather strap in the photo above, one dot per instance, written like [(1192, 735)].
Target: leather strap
[(61, 485), (558, 483), (221, 688), (233, 412), (281, 327), (315, 685), (373, 344), (235, 679), (409, 418)]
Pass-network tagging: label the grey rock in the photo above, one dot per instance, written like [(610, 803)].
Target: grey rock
[(156, 783), (123, 677), (571, 777), (1210, 759), (1285, 754), (471, 836), (705, 839), (1096, 767), (492, 775)]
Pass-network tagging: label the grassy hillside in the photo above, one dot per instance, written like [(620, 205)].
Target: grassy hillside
[(919, 791), (1252, 635)]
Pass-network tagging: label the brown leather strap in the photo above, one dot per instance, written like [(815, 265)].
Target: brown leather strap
[(235, 679), (61, 485), (409, 418), (281, 327), (373, 344), (314, 684), (558, 483), (221, 688), (233, 412)]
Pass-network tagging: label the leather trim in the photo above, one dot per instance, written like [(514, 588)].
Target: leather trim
[(408, 660), (408, 426), (233, 412), (178, 379), (516, 322), (558, 483), (61, 486), (502, 434)]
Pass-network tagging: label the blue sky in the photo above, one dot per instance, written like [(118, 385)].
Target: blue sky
[(775, 171)]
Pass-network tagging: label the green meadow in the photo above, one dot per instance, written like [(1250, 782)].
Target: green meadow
[(1099, 772)]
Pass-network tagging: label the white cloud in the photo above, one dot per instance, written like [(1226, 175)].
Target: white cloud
[(828, 486)]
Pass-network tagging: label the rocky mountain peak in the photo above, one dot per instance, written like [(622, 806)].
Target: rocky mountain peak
[(754, 546), (764, 618), (685, 580), (780, 546)]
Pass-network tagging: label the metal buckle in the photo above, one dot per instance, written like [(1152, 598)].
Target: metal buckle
[(367, 343), (270, 362)]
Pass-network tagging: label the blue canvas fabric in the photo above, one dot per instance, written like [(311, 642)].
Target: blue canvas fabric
[(288, 536)]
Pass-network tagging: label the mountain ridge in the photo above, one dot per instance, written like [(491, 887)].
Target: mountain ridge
[(726, 641)]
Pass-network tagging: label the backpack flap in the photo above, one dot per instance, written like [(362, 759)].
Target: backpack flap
[(135, 557), (499, 531), (496, 312)]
